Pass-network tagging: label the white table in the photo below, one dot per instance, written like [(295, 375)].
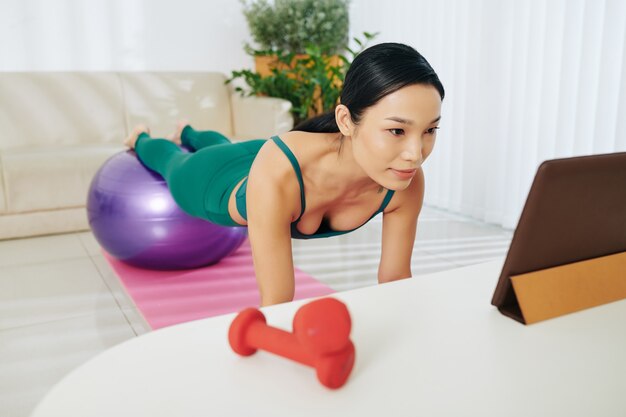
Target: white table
[(427, 346)]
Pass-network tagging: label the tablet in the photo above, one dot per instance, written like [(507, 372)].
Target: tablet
[(575, 211)]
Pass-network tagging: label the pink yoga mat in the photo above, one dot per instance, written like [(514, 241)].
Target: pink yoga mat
[(171, 297)]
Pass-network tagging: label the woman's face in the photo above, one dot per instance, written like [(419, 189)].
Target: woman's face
[(397, 133)]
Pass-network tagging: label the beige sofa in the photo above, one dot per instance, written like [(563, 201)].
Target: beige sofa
[(57, 129)]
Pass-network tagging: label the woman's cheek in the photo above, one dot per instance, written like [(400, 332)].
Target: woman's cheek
[(379, 146)]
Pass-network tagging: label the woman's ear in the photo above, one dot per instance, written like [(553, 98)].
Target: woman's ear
[(344, 120)]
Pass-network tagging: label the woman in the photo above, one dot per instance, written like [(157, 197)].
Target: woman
[(323, 178)]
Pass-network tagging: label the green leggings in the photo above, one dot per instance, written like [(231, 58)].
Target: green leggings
[(200, 182)]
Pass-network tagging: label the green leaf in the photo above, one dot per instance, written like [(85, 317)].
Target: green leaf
[(370, 36)]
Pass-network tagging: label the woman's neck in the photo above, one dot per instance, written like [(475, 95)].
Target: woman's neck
[(343, 172)]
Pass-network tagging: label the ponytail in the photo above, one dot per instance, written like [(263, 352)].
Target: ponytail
[(323, 123)]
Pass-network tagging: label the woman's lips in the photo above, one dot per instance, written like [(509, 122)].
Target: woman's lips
[(404, 174)]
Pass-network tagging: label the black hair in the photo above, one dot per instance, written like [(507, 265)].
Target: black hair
[(375, 72)]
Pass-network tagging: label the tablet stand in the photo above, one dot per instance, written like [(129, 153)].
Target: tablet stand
[(560, 290)]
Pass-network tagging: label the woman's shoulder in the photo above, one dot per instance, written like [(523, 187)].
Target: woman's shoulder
[(298, 137), (278, 163), (272, 162), (272, 171), (276, 168), (309, 147)]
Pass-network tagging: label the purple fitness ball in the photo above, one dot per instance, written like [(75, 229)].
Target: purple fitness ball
[(135, 219)]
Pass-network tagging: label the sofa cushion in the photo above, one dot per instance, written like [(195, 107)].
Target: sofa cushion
[(160, 99), (51, 177), (43, 222), (60, 108)]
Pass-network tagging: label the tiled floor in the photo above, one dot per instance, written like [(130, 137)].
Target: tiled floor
[(61, 304)]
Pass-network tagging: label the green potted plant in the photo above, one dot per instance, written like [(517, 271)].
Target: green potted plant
[(292, 25), (302, 56), (311, 82)]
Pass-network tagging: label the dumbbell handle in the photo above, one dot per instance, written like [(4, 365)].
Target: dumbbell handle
[(279, 342)]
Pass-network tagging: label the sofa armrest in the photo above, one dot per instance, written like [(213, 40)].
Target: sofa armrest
[(3, 198), (259, 117)]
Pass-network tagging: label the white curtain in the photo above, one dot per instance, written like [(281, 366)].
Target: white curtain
[(525, 81), (122, 35)]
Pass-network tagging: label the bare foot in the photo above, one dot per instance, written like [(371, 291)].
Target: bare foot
[(134, 135), (176, 136)]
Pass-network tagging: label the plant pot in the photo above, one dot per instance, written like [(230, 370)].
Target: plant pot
[(264, 63)]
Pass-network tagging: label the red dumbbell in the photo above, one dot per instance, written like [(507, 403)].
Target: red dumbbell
[(320, 338)]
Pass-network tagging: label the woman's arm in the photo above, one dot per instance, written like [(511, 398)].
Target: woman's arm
[(399, 229), (270, 206)]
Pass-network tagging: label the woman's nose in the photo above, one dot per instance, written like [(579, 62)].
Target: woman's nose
[(413, 152)]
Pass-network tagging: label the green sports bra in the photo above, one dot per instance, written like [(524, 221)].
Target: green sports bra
[(324, 230)]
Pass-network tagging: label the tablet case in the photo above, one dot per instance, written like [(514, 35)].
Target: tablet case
[(568, 251)]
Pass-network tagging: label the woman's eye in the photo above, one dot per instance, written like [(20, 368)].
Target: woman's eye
[(432, 130), (393, 132)]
